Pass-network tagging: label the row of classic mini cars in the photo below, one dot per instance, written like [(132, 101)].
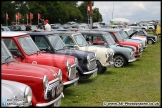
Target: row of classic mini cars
[(48, 62)]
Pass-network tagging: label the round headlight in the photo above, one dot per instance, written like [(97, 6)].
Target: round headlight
[(106, 54), (45, 82), (68, 67), (60, 74), (76, 61), (88, 59), (28, 94), (95, 55)]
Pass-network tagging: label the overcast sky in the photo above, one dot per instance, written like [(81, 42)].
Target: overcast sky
[(132, 10)]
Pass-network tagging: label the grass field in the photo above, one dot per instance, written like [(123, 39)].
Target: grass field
[(139, 81)]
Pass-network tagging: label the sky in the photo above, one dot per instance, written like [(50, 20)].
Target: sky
[(134, 11)]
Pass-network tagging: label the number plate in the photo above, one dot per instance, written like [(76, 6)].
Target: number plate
[(76, 83), (94, 74), (57, 103)]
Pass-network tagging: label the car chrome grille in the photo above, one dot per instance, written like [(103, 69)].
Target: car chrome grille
[(72, 72), (92, 64), (54, 88)]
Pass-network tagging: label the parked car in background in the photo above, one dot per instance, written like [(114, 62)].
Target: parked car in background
[(45, 81), (122, 55), (11, 90), (24, 49), (5, 29), (77, 41), (17, 27), (116, 35), (131, 35), (150, 39), (52, 43)]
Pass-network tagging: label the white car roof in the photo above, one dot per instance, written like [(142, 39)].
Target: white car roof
[(12, 34)]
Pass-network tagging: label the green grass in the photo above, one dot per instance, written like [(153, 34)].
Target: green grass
[(137, 82)]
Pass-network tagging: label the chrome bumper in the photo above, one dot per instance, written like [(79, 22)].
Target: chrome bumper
[(132, 60), (51, 102), (71, 81), (89, 72)]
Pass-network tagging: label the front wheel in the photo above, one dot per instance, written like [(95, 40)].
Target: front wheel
[(150, 41), (119, 61)]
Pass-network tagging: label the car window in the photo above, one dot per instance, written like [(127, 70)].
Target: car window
[(67, 40), (41, 42)]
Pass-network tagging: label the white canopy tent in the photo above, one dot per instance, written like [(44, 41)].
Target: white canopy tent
[(120, 20)]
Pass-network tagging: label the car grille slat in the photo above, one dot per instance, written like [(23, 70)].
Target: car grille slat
[(92, 64)]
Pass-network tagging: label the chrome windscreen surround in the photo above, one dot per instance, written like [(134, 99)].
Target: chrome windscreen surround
[(72, 72), (53, 86), (92, 64)]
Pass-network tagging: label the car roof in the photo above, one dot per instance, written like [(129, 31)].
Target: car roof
[(66, 32), (12, 34), (39, 32), (91, 31), (110, 30)]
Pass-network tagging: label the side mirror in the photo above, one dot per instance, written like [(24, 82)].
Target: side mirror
[(48, 49)]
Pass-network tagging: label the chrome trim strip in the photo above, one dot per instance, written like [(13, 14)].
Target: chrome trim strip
[(71, 81), (51, 102), (89, 72)]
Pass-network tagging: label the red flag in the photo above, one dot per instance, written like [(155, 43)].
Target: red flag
[(88, 8), (39, 16), (7, 16), (31, 16), (19, 15), (16, 17), (27, 17)]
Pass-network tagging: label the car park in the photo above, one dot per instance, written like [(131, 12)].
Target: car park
[(45, 81), (119, 40), (76, 41), (52, 43), (24, 50), (11, 90), (122, 55)]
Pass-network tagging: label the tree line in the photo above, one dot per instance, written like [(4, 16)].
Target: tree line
[(54, 11)]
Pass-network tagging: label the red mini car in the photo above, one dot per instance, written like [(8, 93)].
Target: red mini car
[(45, 81)]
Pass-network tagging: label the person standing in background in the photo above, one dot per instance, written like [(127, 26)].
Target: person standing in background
[(28, 27), (47, 27)]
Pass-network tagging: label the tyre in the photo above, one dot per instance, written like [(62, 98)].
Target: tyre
[(104, 69), (99, 66), (150, 41), (119, 61)]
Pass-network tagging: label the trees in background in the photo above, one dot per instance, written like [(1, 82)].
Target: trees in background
[(54, 11)]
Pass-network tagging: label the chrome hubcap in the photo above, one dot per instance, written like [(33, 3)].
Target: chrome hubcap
[(119, 61)]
